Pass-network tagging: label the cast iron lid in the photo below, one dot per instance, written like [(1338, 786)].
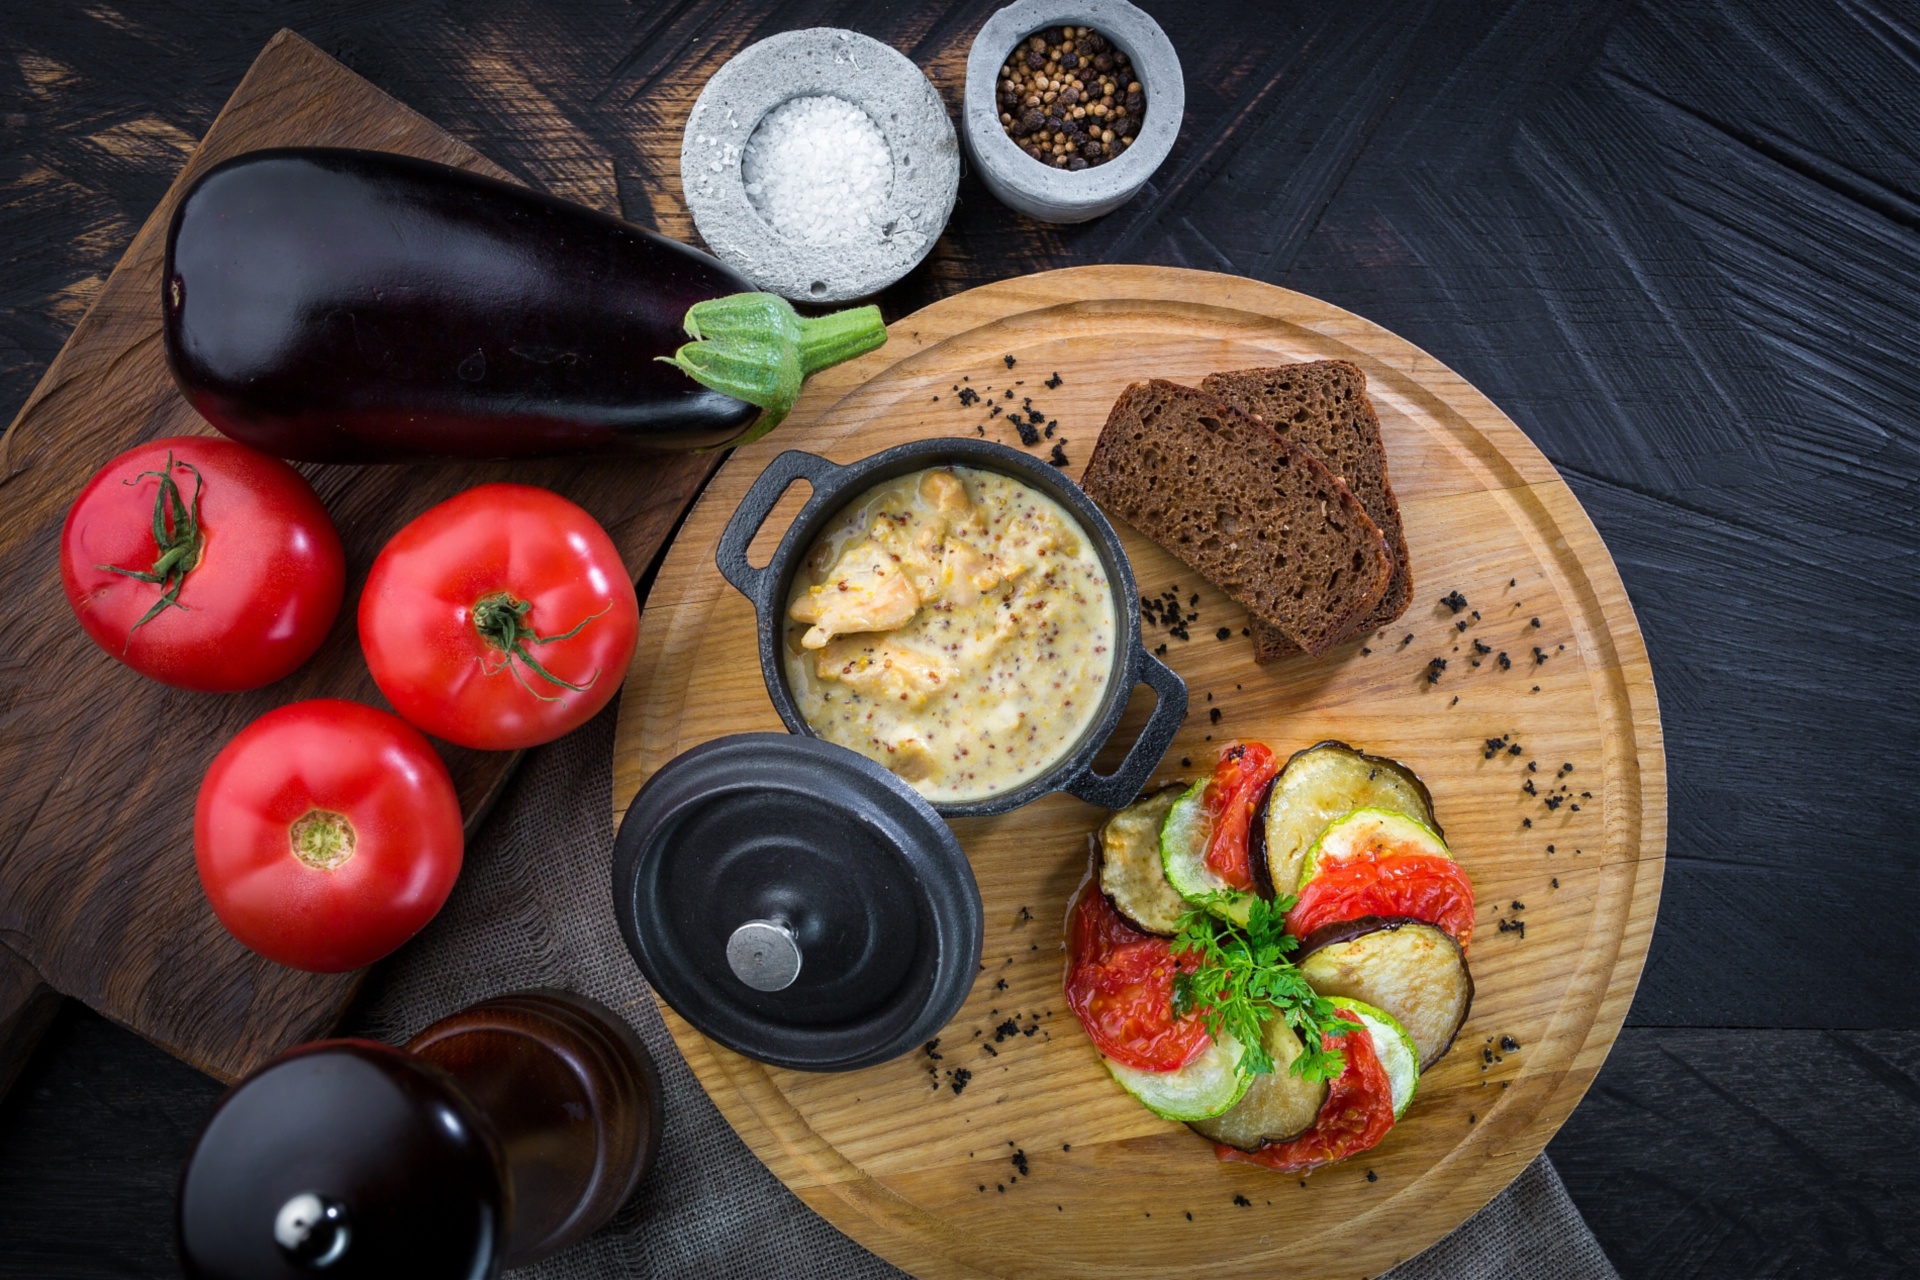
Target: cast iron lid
[(797, 902)]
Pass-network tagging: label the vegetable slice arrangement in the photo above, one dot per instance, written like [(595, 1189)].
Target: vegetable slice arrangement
[(1289, 1028)]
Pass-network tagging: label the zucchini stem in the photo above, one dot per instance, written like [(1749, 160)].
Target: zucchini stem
[(755, 347)]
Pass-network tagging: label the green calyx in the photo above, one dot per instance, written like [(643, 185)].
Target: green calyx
[(501, 621), (177, 539), (755, 347)]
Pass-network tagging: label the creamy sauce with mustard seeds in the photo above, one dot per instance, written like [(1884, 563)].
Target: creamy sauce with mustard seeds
[(954, 625)]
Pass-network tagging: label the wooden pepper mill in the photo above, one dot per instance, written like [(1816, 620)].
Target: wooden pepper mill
[(495, 1137)]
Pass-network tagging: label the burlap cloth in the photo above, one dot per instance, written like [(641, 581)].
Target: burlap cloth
[(534, 908)]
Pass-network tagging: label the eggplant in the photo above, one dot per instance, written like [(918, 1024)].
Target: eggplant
[(1278, 1107), (1317, 786), (1413, 971), (1131, 873), (333, 305)]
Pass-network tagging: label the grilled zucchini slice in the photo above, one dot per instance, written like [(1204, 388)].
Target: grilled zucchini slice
[(1205, 1087), (1131, 873), (1319, 784), (1393, 1046), (1412, 971), (1379, 832), (1279, 1106), (1183, 855)]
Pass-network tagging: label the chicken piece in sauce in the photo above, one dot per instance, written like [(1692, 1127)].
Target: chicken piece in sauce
[(866, 591), (883, 669)]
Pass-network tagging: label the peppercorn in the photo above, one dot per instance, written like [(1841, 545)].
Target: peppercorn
[(1066, 97)]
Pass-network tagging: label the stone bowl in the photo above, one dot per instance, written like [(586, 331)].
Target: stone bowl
[(902, 104), (1061, 195)]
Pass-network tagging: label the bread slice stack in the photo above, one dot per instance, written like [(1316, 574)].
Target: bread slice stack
[(1323, 406), (1254, 506)]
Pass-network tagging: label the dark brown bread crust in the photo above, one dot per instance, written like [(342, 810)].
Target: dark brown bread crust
[(1254, 513), (1323, 405)]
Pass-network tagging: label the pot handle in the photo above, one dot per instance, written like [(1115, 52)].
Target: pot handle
[(1123, 784), (731, 555)]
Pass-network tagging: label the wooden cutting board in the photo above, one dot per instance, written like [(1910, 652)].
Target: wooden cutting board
[(98, 894), (928, 1177)]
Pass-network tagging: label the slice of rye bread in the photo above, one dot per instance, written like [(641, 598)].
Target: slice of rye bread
[(1323, 404), (1254, 513)]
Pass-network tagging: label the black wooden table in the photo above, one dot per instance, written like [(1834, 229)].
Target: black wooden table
[(1679, 243)]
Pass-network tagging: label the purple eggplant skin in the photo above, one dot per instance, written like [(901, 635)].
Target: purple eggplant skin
[(357, 306)]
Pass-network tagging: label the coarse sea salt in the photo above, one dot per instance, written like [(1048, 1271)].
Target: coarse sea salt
[(818, 170)]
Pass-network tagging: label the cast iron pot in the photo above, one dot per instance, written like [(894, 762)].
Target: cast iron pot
[(834, 486)]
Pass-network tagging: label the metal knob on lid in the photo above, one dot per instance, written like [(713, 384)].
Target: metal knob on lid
[(763, 954), (796, 902)]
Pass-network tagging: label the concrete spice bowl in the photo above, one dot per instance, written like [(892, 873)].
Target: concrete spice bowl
[(895, 95), (1061, 195)]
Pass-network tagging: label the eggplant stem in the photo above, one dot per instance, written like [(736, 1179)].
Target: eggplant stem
[(501, 621), (177, 542), (755, 347)]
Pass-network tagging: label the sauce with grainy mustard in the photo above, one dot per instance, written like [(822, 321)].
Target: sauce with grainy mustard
[(956, 626)]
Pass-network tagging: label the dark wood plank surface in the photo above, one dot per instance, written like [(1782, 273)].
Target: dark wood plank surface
[(1678, 242)]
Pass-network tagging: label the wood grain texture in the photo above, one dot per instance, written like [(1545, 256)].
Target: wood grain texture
[(897, 1160), (66, 1184), (1822, 1185), (102, 899)]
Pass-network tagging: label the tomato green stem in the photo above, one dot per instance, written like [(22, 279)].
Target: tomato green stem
[(756, 347), (177, 541), (501, 621)]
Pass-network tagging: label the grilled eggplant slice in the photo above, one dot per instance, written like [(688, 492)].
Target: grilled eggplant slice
[(1183, 854), (1393, 1046), (1131, 873), (1379, 833), (1205, 1087), (1413, 971), (1279, 1106), (1322, 783)]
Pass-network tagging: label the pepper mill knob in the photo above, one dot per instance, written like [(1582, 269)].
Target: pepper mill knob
[(495, 1137)]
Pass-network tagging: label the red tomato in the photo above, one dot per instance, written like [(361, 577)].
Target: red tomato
[(1357, 1114), (1412, 886), (1120, 986), (243, 590), (501, 618), (326, 834), (1232, 794), (1095, 927)]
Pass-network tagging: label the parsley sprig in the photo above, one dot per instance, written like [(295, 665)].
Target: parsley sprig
[(1244, 978)]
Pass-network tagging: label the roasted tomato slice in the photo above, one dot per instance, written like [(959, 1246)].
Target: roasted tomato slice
[(1120, 986), (1231, 796), (1411, 886), (1095, 927), (1358, 1113)]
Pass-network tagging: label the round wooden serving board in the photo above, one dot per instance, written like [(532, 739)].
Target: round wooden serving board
[(892, 1155)]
